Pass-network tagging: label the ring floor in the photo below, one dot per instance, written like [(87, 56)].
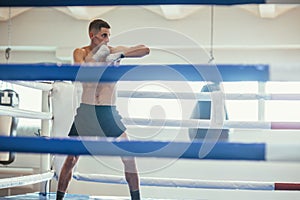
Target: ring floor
[(52, 196)]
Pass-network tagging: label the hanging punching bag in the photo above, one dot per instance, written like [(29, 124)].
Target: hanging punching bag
[(8, 124), (202, 110)]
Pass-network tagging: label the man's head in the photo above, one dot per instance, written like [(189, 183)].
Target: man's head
[(99, 31)]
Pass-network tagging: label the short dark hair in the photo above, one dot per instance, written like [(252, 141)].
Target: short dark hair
[(97, 24)]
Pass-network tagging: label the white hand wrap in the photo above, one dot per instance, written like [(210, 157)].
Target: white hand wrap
[(114, 57), (101, 54)]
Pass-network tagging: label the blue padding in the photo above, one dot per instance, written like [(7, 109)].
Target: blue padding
[(223, 151), (122, 2), (32, 72)]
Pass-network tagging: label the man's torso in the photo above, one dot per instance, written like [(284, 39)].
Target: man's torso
[(98, 94)]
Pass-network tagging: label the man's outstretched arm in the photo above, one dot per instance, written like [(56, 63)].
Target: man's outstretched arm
[(134, 51)]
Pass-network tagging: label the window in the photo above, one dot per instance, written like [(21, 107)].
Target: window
[(282, 110), (241, 110)]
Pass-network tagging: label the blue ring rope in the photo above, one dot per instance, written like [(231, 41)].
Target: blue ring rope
[(35, 72), (74, 146), (123, 2)]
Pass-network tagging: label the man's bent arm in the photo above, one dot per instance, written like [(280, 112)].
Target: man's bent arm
[(135, 51)]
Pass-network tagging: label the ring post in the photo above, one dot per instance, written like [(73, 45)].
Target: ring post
[(45, 132)]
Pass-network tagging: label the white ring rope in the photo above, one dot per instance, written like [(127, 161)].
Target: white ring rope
[(186, 123), (206, 96), (16, 112), (196, 123), (172, 182), (34, 85), (25, 180), (201, 96)]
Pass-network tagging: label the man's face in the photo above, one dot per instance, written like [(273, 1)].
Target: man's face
[(102, 36)]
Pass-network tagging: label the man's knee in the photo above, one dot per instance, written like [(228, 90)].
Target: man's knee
[(129, 164), (71, 161)]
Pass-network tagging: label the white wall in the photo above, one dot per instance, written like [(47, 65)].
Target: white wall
[(233, 26)]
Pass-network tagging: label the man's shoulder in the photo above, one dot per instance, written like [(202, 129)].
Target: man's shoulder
[(80, 53), (81, 50)]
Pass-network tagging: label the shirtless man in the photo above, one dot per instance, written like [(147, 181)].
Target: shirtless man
[(97, 114)]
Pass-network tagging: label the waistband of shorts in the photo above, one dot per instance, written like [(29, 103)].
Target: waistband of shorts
[(100, 106)]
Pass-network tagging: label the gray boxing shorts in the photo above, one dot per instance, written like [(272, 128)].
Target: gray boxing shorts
[(101, 121)]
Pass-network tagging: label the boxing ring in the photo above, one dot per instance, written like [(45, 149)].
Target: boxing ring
[(222, 151), (182, 150)]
